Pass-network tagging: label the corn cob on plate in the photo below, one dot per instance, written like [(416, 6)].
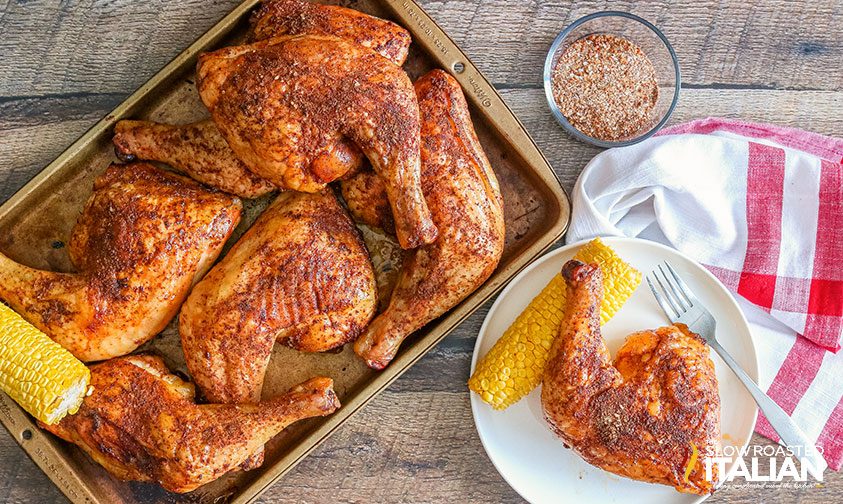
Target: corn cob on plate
[(514, 366)]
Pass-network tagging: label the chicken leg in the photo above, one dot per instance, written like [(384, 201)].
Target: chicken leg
[(199, 149), (301, 276), (642, 417), (284, 103), (275, 18), (141, 423), (467, 207), (144, 237), (196, 149)]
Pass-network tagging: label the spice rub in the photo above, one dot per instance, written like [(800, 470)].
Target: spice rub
[(606, 87)]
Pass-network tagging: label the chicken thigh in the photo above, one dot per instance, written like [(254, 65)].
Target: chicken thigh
[(200, 150), (284, 104), (365, 195), (141, 423), (465, 200), (301, 276), (144, 237), (643, 416)]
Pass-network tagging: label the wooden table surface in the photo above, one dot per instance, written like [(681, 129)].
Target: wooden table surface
[(66, 64)]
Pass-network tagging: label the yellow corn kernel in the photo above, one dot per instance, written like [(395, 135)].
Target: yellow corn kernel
[(38, 373), (527, 341)]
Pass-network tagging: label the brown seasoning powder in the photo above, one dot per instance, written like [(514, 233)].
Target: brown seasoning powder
[(606, 87)]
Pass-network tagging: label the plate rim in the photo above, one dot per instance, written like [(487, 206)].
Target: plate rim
[(609, 240)]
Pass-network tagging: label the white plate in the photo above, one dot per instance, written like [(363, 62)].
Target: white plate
[(518, 441)]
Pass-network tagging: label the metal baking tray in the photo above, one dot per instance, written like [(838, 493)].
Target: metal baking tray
[(39, 217)]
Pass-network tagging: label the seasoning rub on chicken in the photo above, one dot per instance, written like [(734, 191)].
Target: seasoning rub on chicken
[(200, 150), (141, 423), (642, 416), (301, 277), (285, 105), (275, 18), (143, 239), (197, 149), (463, 195)]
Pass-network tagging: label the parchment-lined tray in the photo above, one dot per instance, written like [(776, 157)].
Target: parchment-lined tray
[(42, 213)]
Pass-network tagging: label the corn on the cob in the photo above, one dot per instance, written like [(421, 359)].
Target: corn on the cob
[(515, 364), (44, 378)]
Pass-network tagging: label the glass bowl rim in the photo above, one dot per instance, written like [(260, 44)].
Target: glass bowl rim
[(548, 87)]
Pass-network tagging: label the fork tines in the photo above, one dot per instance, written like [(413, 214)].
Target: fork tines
[(672, 294)]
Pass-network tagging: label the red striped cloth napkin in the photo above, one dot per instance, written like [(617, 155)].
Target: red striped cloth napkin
[(762, 208)]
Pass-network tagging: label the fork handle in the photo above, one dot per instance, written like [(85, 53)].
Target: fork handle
[(789, 432)]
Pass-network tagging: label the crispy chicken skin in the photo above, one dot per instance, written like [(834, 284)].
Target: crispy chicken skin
[(144, 237), (284, 104), (365, 195), (301, 276), (639, 416), (466, 204), (141, 423), (197, 149), (295, 17)]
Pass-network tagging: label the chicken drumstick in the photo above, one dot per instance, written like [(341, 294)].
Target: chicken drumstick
[(197, 149), (463, 194), (141, 423)]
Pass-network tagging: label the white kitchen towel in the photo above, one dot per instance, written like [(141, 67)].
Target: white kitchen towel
[(762, 208)]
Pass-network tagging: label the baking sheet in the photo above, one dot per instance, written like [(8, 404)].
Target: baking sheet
[(36, 222)]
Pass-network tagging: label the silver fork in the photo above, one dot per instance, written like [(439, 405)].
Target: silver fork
[(681, 306)]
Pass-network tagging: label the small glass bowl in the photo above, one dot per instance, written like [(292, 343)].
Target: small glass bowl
[(644, 35)]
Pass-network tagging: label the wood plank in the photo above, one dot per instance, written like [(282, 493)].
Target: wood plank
[(754, 43), (35, 131), (433, 455), (21, 481), (66, 48), (87, 47)]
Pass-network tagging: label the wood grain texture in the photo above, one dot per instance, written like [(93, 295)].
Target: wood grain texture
[(66, 64), (753, 43)]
